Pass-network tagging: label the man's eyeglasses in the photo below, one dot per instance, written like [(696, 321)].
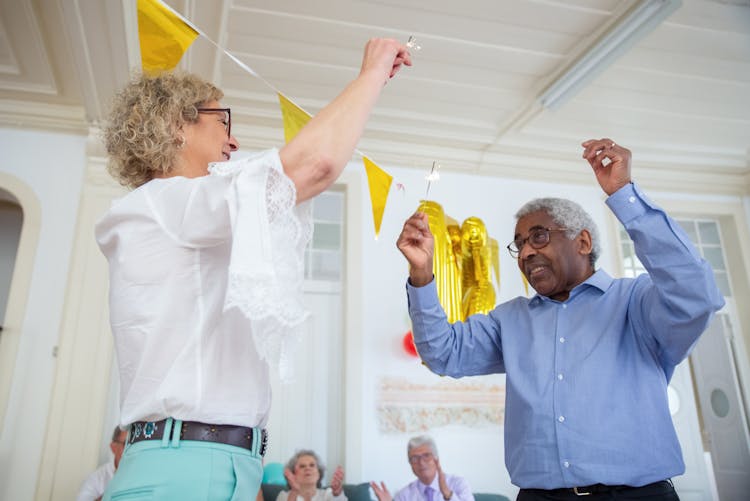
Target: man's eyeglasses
[(538, 238), (420, 458), (227, 114)]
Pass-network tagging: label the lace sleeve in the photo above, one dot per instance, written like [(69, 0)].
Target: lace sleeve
[(266, 270)]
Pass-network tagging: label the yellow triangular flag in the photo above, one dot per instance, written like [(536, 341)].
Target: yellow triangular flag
[(294, 117), (164, 37), (379, 182)]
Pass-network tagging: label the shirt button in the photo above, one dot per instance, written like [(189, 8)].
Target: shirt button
[(562, 339), (560, 377), (566, 464), (561, 418), (631, 199), (565, 306)]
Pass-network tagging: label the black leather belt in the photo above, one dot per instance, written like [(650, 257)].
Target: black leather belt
[(238, 436), (661, 487)]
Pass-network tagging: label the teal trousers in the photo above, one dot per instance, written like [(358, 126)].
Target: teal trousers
[(185, 471)]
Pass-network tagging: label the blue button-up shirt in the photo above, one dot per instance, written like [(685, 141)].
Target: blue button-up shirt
[(586, 379)]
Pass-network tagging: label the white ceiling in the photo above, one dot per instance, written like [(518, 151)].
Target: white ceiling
[(679, 98)]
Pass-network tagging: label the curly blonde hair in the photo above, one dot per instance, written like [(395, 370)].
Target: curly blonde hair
[(142, 132)]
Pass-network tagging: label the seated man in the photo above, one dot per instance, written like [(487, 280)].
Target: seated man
[(94, 485), (432, 483)]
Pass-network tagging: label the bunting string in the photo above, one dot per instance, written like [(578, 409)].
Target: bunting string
[(165, 35)]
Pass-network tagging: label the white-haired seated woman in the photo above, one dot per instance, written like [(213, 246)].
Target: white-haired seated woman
[(304, 474)]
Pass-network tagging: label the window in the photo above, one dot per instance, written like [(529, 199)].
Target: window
[(631, 265), (323, 256), (707, 238), (705, 235)]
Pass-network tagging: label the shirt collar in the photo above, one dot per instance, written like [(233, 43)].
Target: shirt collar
[(422, 486), (600, 280)]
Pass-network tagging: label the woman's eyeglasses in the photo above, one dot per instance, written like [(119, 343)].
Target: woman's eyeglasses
[(226, 112), (538, 238)]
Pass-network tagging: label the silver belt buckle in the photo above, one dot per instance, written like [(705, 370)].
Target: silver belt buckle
[(581, 493)]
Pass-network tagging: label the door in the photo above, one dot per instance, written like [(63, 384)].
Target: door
[(308, 413), (722, 408)]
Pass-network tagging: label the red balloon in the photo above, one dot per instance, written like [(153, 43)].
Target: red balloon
[(408, 343)]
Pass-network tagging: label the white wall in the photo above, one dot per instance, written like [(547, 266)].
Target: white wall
[(52, 166)]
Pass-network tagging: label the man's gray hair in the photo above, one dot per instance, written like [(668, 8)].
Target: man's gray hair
[(116, 433), (566, 214), (421, 440)]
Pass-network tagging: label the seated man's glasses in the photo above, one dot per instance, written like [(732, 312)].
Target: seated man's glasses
[(420, 458), (227, 117), (538, 238)]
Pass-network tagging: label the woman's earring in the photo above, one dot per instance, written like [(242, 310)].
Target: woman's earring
[(182, 142)]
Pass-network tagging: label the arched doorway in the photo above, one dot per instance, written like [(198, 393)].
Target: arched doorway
[(20, 215), (11, 221)]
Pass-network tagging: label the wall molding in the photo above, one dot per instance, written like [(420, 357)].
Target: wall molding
[(408, 407), (46, 117)]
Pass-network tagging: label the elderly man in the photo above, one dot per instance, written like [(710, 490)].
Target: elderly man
[(431, 483), (588, 358), (93, 487)]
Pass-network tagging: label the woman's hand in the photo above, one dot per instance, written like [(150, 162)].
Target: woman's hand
[(337, 482), (291, 479), (384, 56)]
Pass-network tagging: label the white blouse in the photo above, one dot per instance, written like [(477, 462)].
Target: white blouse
[(320, 495), (205, 290)]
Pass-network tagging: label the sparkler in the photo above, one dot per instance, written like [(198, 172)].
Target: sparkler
[(434, 175)]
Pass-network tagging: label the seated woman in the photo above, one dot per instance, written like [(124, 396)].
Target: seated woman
[(304, 474)]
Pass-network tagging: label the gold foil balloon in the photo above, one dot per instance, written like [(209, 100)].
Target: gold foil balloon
[(464, 261), (444, 264), (476, 259), (495, 256), (454, 232), (479, 299)]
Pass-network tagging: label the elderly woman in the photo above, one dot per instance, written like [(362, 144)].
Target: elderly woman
[(304, 474), (205, 268)]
